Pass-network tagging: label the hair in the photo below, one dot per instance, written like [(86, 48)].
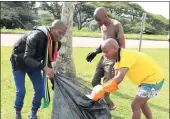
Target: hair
[(110, 42), (58, 24), (98, 11)]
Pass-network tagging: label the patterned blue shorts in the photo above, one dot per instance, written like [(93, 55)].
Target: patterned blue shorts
[(149, 90)]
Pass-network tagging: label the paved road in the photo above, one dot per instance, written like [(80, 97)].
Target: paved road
[(10, 39)]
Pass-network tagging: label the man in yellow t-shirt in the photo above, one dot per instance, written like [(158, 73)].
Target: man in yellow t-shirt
[(141, 69)]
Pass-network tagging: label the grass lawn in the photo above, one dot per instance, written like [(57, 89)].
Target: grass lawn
[(123, 97), (85, 33)]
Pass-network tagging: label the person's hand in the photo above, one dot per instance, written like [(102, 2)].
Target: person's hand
[(91, 56), (97, 93), (49, 71)]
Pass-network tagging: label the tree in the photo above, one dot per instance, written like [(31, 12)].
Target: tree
[(65, 64), (53, 8), (131, 11), (14, 15), (159, 22), (83, 14)]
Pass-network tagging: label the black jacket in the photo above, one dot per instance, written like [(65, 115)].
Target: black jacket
[(29, 50)]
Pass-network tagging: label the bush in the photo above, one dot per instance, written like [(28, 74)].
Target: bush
[(135, 29), (30, 25), (45, 21), (149, 29), (126, 28), (93, 26)]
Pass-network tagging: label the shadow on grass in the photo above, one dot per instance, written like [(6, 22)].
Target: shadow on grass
[(116, 117), (125, 96), (84, 82)]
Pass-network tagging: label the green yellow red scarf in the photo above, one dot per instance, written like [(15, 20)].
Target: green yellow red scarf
[(52, 56)]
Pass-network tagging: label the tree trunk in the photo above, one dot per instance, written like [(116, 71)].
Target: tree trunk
[(65, 64)]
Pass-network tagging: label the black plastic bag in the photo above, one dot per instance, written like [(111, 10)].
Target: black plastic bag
[(70, 101)]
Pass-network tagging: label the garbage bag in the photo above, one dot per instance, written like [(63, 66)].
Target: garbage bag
[(70, 101)]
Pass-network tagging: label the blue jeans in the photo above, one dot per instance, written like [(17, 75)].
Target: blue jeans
[(36, 79)]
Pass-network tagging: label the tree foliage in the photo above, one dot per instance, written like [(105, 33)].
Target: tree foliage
[(83, 14), (14, 14), (128, 13), (53, 8)]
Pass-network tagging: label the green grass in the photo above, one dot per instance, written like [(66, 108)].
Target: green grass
[(146, 37), (123, 97), (4, 30), (85, 33)]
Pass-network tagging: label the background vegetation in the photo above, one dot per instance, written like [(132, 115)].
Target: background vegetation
[(25, 15)]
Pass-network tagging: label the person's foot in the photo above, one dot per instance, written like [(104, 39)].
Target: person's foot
[(111, 106), (35, 117), (18, 117)]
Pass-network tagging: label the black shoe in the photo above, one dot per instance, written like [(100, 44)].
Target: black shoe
[(111, 106), (18, 117), (35, 117)]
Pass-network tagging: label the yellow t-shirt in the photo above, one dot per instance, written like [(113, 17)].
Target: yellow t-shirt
[(142, 68)]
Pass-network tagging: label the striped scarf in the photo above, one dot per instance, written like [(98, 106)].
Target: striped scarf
[(48, 56)]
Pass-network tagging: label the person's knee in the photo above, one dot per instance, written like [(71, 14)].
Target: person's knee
[(38, 88), (135, 106), (21, 93)]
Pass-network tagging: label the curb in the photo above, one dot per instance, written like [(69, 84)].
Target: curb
[(11, 33), (90, 36)]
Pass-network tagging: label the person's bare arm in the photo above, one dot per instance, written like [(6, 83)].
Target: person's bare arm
[(120, 35), (120, 75), (122, 42)]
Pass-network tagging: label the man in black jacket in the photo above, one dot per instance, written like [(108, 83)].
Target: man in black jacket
[(28, 57)]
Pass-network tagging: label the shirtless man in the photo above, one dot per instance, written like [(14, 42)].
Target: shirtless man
[(109, 29)]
